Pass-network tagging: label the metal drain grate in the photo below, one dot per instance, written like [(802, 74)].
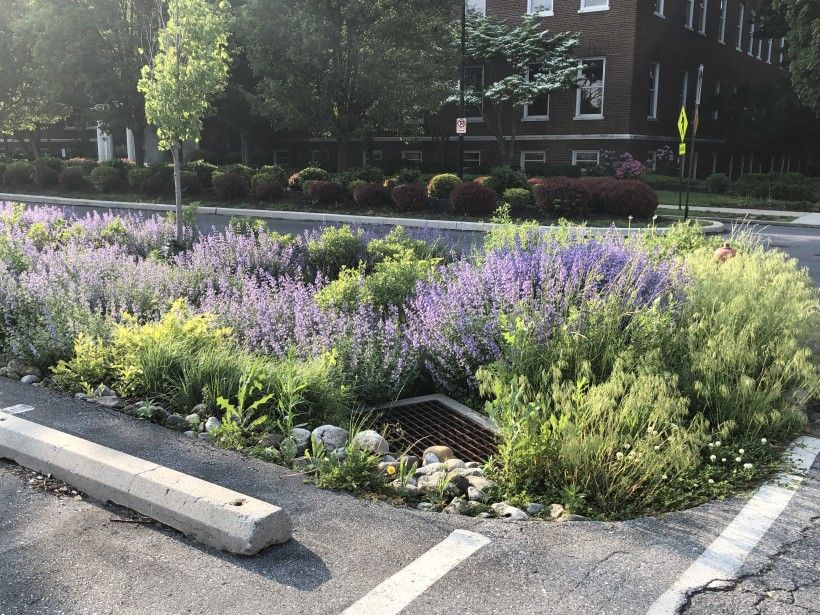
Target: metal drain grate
[(416, 423)]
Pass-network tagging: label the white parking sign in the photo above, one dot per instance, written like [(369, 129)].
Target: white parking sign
[(461, 126)]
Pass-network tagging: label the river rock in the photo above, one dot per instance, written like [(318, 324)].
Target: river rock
[(200, 409), (429, 459), (480, 483), (505, 511), (372, 441), (110, 401), (475, 495), (193, 419), (213, 423), (534, 508), (555, 510), (177, 422), (269, 440), (442, 452), (453, 464), (330, 436), (430, 469), (30, 379)]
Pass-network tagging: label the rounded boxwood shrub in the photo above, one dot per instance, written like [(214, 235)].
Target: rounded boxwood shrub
[(51, 162), (408, 175), (627, 197), (204, 170), (265, 186), (106, 178), (504, 178), (561, 195), (371, 195), (45, 175), (159, 181), (473, 199), (202, 154), (239, 169), (137, 176), (73, 178), (190, 183), (20, 173), (310, 174), (441, 186), (230, 186), (518, 198), (410, 197), (122, 166), (717, 183), (326, 192), (86, 164), (280, 176)]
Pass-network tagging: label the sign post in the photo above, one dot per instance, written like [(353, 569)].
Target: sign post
[(461, 86), (695, 122), (683, 124)]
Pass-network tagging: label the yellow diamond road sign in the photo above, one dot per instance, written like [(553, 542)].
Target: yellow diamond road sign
[(683, 123)]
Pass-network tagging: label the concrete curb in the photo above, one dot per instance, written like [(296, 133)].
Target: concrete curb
[(324, 218), (210, 514)]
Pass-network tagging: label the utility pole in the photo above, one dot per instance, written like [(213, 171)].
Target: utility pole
[(461, 111), (695, 123)]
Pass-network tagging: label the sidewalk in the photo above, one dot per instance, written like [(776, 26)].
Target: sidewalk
[(800, 217)]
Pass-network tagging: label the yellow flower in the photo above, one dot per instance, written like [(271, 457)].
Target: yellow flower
[(390, 470)]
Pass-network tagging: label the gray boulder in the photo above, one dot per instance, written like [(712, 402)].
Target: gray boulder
[(372, 441), (177, 422), (30, 379), (442, 452), (505, 511), (110, 401), (330, 436), (212, 423)]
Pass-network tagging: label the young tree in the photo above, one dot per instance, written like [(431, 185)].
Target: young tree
[(189, 68), (535, 63), (799, 22), (349, 70)]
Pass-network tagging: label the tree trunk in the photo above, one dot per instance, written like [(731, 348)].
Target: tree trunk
[(243, 146), (175, 154), (341, 155), (513, 134)]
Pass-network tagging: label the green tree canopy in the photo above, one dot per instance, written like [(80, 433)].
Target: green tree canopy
[(189, 68), (534, 62), (348, 70), (799, 22)]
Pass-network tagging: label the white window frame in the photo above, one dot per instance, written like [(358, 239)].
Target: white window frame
[(704, 12), (655, 76), (535, 117), (724, 5), (542, 155), (544, 12), (473, 152), (369, 156), (593, 8), (477, 6), (277, 153), (477, 118), (405, 153), (590, 116), (752, 17), (659, 8), (689, 15), (741, 15), (584, 152)]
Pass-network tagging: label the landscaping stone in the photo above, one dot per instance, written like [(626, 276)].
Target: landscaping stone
[(80, 396), (177, 422), (474, 495), (388, 458), (302, 439), (103, 391), (425, 506), (455, 507), (191, 434), (453, 464), (410, 461), (301, 463), (505, 511), (555, 510), (430, 469), (534, 508), (205, 436), (193, 419), (469, 471), (429, 459), (371, 441), (30, 379), (269, 440), (460, 483), (484, 515), (341, 453), (442, 452), (110, 401), (212, 423), (473, 464), (430, 482), (159, 414), (480, 483), (200, 409), (330, 436), (571, 517)]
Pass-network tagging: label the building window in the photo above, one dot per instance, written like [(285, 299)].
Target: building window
[(741, 9), (281, 157), (689, 16), (411, 156), (752, 17), (474, 85), (472, 159), (369, 156), (585, 158), (722, 21), (769, 51), (542, 8), (529, 158), (477, 6), (654, 77), (703, 7), (588, 6), (589, 102), (540, 108), (659, 8), (684, 90)]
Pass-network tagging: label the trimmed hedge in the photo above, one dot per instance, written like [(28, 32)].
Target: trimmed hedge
[(473, 199), (20, 173), (371, 195), (46, 176), (266, 186), (73, 178), (442, 185), (562, 195), (518, 198), (410, 197), (107, 178), (626, 197), (326, 192), (230, 186)]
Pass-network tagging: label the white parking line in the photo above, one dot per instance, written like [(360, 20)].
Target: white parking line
[(18, 409), (724, 557), (394, 594)]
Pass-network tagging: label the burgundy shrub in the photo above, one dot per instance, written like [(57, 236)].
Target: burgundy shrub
[(563, 195), (473, 199), (371, 195), (628, 197), (326, 192), (410, 197)]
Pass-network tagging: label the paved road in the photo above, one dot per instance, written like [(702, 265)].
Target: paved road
[(62, 555)]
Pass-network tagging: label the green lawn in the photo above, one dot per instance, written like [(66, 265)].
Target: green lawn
[(707, 199)]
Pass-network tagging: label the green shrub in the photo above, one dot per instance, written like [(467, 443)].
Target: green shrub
[(3, 166), (190, 183), (239, 169), (408, 175), (279, 174), (56, 164), (336, 249), (160, 181), (718, 183), (72, 178), (366, 174), (230, 186), (137, 176), (107, 179), (473, 199), (442, 185), (46, 176), (86, 164), (308, 174), (518, 198), (398, 243), (266, 186), (504, 178), (661, 182), (20, 173), (203, 169)]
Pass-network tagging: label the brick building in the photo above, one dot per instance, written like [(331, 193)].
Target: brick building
[(647, 54)]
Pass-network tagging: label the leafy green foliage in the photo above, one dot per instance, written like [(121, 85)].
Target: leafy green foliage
[(336, 249), (442, 185)]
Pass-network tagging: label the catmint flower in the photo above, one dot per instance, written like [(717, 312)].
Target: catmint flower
[(741, 451), (747, 466)]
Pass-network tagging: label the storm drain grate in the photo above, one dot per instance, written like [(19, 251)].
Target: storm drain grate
[(416, 423)]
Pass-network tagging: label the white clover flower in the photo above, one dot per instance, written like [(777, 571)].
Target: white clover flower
[(626, 446), (664, 477), (763, 440), (747, 466), (723, 459), (741, 451), (712, 458), (619, 455), (711, 445), (717, 442), (711, 482), (738, 459), (657, 447)]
